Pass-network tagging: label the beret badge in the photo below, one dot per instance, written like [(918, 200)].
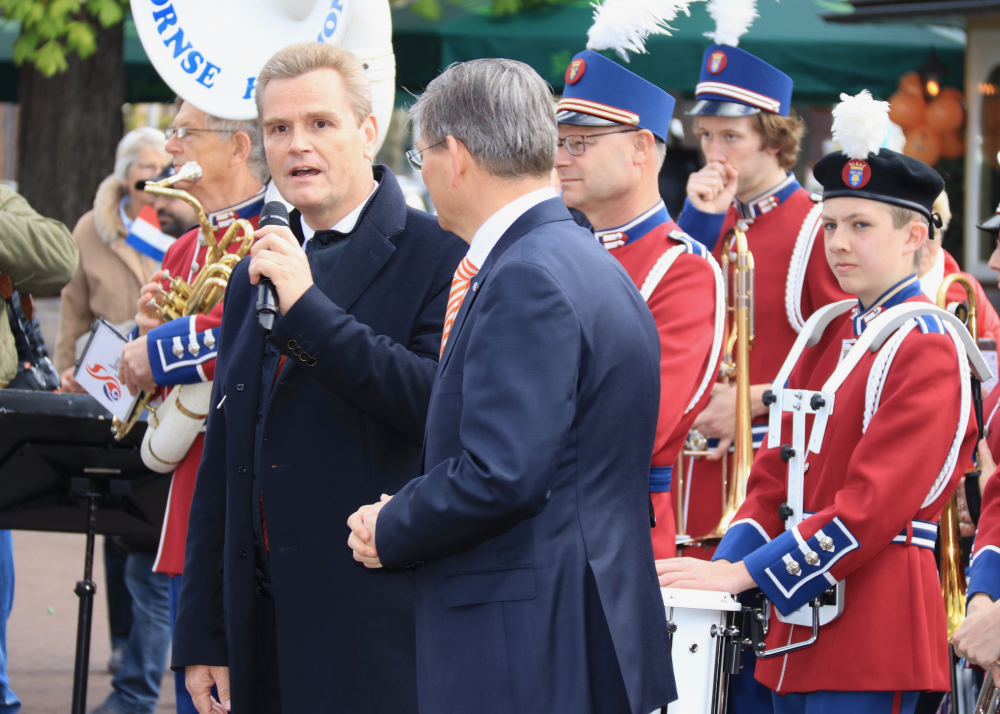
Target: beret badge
[(575, 71), (857, 173), (717, 62)]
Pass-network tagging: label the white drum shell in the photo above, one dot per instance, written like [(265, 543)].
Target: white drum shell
[(169, 437), (695, 612)]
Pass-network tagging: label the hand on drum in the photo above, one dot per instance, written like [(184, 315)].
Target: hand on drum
[(694, 574), (978, 638)]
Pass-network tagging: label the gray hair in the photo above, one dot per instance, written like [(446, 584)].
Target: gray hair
[(132, 144), (256, 161), (500, 109)]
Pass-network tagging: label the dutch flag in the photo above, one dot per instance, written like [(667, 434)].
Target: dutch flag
[(146, 237)]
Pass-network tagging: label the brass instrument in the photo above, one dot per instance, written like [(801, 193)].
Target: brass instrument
[(738, 340), (183, 299), (989, 696)]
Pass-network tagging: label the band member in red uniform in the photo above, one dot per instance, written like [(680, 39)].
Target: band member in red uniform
[(857, 508), (612, 142), (182, 351), (751, 142)]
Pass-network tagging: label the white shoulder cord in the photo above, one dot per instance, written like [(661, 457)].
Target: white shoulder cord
[(653, 280), (798, 264)]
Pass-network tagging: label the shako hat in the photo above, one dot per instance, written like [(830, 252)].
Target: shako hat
[(734, 83), (864, 169), (600, 92)]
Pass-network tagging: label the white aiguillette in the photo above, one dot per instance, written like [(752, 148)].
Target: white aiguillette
[(97, 369)]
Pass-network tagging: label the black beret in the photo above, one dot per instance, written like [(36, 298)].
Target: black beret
[(888, 176)]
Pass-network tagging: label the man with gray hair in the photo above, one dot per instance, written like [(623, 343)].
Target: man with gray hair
[(183, 351), (325, 412), (528, 534)]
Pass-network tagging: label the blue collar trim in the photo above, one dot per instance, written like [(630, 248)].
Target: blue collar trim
[(899, 293), (246, 210), (770, 199), (635, 229)]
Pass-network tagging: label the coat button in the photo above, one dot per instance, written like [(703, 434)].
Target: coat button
[(793, 568), (243, 554), (292, 344), (826, 543), (243, 469), (812, 558), (239, 387)]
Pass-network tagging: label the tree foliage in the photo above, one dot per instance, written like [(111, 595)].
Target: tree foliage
[(431, 9), (53, 29)]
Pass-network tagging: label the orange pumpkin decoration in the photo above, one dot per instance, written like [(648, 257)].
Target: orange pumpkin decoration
[(910, 83), (907, 110), (953, 145), (952, 93), (945, 115), (923, 143)]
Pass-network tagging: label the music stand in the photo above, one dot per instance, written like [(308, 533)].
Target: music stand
[(62, 470)]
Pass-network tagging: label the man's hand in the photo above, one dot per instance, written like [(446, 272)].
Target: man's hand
[(276, 254), (978, 638), (713, 189), (718, 419), (199, 680), (694, 574), (69, 384), (147, 317), (966, 528), (362, 539), (134, 371)]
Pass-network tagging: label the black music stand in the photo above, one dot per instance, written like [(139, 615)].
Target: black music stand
[(62, 470)]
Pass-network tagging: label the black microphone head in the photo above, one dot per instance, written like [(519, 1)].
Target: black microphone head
[(274, 214)]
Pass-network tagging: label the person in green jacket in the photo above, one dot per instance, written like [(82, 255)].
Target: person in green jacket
[(38, 256)]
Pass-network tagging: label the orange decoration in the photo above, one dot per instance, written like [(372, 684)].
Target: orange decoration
[(907, 110), (952, 93), (923, 143), (952, 145), (910, 83), (945, 115)]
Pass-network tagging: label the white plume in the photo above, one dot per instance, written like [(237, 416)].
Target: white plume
[(860, 124), (732, 20), (622, 25)]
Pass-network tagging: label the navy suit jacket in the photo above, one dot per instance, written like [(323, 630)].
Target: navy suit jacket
[(344, 424), (535, 584)]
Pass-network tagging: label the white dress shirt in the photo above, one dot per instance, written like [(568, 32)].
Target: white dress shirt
[(496, 225), (346, 224)]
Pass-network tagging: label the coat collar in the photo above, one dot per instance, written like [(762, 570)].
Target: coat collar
[(769, 200), (546, 212), (635, 229), (902, 291)]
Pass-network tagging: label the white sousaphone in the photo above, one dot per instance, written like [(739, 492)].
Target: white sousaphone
[(210, 53)]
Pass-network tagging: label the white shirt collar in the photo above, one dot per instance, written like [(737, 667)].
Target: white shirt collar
[(346, 224), (930, 283), (496, 225), (126, 201)]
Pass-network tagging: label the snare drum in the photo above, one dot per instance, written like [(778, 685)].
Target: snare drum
[(696, 651)]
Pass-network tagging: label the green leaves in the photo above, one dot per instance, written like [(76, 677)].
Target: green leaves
[(52, 29), (432, 10)]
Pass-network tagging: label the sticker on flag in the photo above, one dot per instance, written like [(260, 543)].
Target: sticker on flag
[(146, 237), (97, 370)]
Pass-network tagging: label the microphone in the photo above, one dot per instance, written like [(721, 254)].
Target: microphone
[(274, 214)]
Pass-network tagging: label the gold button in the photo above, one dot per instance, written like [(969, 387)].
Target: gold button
[(793, 568), (305, 356), (311, 362), (812, 558), (826, 543), (292, 344), (298, 351)]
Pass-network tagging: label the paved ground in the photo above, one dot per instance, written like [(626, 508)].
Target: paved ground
[(41, 632)]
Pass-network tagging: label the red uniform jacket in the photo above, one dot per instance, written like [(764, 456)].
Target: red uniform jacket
[(792, 280), (185, 259), (869, 491), (984, 572), (684, 307)]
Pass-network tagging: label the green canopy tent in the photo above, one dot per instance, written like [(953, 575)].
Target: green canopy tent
[(823, 59)]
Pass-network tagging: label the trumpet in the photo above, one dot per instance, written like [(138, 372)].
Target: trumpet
[(738, 340), (183, 299)]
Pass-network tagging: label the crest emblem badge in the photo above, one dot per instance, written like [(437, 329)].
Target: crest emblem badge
[(717, 62), (856, 173), (575, 71)]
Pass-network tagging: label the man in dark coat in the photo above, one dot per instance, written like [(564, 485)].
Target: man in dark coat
[(325, 413), (536, 591)]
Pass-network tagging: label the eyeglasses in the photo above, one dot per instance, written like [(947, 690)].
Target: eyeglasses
[(181, 131), (577, 144), (416, 158)]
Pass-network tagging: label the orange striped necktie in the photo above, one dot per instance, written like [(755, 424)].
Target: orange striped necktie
[(459, 287)]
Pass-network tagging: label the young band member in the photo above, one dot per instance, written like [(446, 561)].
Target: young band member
[(613, 128), (751, 142), (894, 449)]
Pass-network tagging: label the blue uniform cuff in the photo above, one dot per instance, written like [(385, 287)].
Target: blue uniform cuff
[(984, 574), (177, 352), (703, 227), (743, 538), (660, 478), (792, 571)]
